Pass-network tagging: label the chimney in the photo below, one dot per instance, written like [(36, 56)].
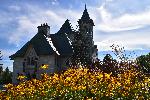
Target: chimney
[(44, 29)]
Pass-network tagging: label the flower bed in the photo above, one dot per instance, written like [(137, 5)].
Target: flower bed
[(81, 83)]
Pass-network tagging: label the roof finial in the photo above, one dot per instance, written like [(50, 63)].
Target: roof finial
[(85, 6)]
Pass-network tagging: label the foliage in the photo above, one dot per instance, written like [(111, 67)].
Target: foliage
[(104, 80), (1, 58), (144, 62), (81, 84), (1, 67), (6, 76), (109, 64)]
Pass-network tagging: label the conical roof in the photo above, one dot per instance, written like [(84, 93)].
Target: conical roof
[(85, 17)]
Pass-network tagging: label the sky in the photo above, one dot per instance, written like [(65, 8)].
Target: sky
[(121, 22)]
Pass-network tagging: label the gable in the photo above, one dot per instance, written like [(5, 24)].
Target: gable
[(40, 45), (30, 52)]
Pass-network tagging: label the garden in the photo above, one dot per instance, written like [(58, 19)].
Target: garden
[(106, 80)]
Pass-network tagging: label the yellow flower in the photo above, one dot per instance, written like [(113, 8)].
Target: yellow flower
[(93, 91), (107, 75), (8, 85), (7, 98), (44, 67), (147, 80), (20, 77), (68, 78), (21, 93), (83, 87)]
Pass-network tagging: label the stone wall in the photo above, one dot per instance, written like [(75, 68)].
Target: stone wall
[(17, 68), (42, 60), (48, 60)]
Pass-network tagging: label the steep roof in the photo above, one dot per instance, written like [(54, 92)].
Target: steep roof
[(61, 42), (42, 46), (66, 28), (85, 17)]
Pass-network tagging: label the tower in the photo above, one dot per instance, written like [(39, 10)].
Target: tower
[(83, 40)]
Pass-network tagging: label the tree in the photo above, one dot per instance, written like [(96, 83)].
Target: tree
[(144, 63), (6, 76), (109, 64), (1, 68), (1, 65)]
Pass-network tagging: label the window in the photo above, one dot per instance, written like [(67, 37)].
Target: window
[(32, 61), (36, 59), (67, 62), (56, 60), (28, 60), (23, 66)]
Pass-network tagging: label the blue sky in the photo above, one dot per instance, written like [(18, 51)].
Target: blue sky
[(122, 22)]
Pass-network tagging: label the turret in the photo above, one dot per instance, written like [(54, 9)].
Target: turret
[(83, 40), (86, 24)]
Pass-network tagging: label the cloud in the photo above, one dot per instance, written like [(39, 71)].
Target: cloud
[(22, 32), (126, 30), (105, 21), (27, 23), (124, 22), (54, 2), (15, 7), (7, 52), (129, 40)]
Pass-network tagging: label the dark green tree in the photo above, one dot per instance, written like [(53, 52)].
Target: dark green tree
[(144, 63), (1, 68), (6, 76), (109, 64), (1, 65)]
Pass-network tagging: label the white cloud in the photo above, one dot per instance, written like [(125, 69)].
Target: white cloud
[(7, 53), (109, 0), (104, 21), (131, 41), (27, 24), (124, 22), (115, 29), (24, 31), (15, 7), (54, 2)]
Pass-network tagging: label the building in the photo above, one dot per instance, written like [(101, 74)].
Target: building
[(64, 48)]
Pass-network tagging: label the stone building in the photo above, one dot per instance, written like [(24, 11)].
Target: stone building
[(58, 50)]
